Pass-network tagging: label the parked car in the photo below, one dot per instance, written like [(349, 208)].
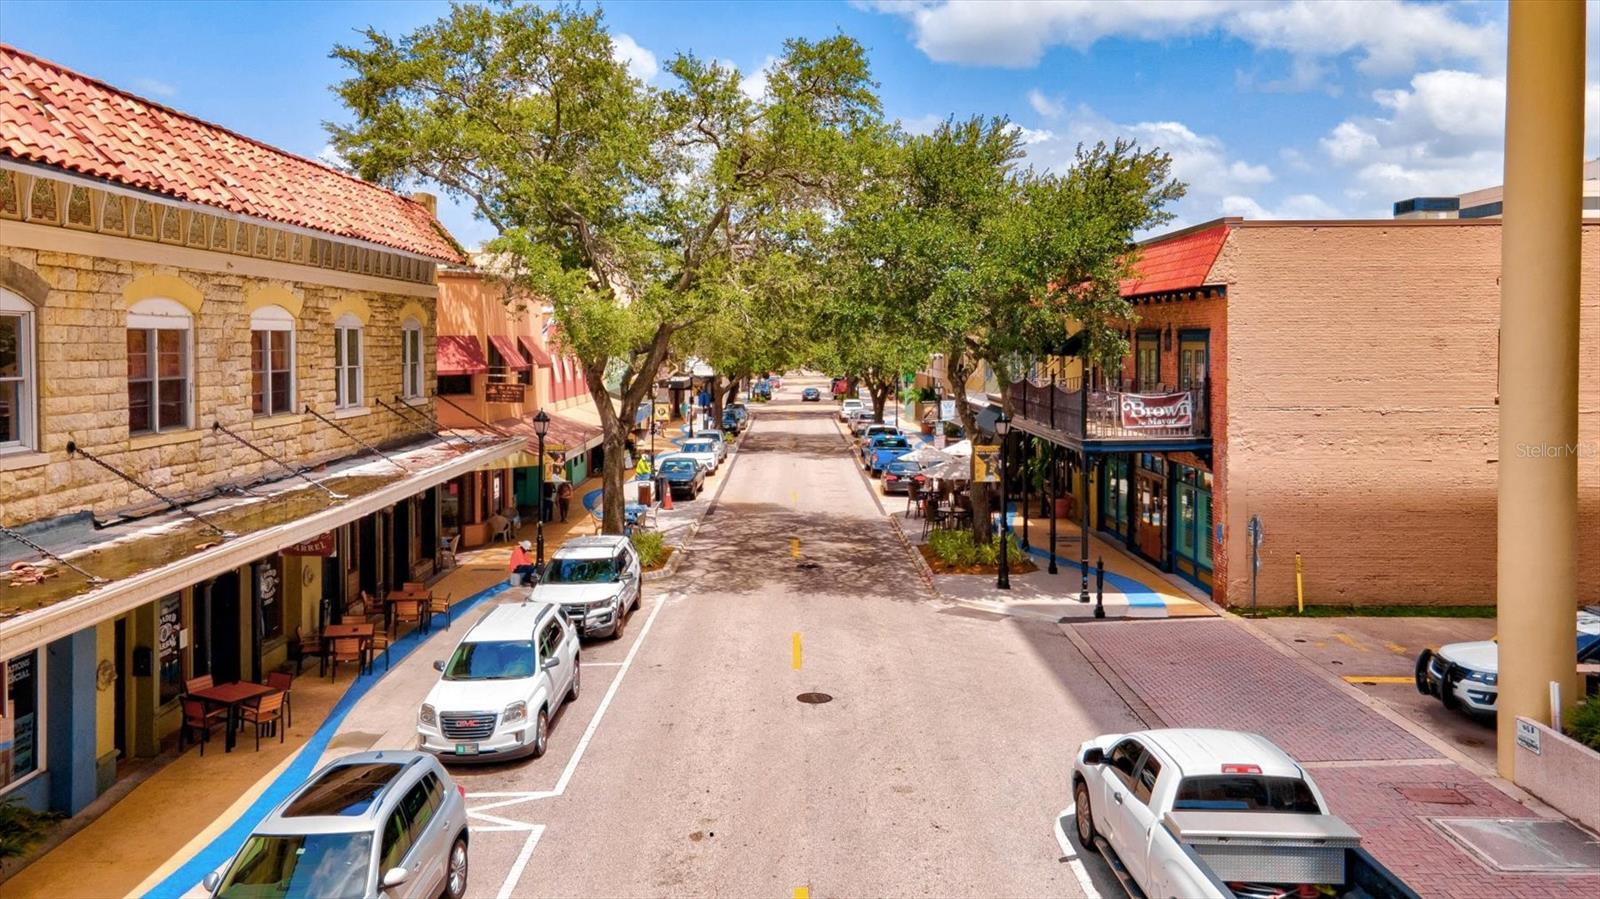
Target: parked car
[(1466, 676), (849, 406), (860, 420), (883, 449), (761, 390), (811, 395), (874, 429), (503, 683), (717, 443), (596, 580), (1215, 814), (741, 411), (706, 451), (900, 474), (387, 823), (775, 382), (684, 477)]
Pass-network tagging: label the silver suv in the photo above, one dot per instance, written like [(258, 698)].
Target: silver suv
[(371, 824), (595, 581)]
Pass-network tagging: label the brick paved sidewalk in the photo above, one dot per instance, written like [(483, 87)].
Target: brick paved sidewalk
[(1214, 673)]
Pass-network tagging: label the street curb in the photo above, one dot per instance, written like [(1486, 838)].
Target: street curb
[(680, 549), (919, 562), (1129, 696)]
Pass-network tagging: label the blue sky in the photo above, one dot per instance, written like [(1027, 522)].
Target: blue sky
[(1270, 109)]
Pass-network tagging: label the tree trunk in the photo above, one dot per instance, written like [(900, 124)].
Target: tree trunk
[(616, 468), (716, 401), (615, 427), (880, 398), (956, 372)]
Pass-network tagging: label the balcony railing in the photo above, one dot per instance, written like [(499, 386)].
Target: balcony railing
[(1116, 411)]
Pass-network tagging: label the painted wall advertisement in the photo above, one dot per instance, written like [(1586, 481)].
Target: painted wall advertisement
[(986, 465), (1151, 411), (19, 716), (169, 627)]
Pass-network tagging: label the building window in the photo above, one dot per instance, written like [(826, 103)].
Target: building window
[(169, 661), (159, 334), (411, 359), (1148, 359), (17, 376), (271, 361), (1194, 358), (348, 378), (19, 718), (455, 385)]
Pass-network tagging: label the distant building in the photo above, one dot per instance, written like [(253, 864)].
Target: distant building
[(1486, 203)]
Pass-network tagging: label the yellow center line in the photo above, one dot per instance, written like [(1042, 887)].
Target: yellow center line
[(794, 547), (1349, 642), (802, 893), (1379, 679), (797, 650), (1398, 649)]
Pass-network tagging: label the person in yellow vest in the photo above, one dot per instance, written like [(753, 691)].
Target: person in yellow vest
[(642, 467)]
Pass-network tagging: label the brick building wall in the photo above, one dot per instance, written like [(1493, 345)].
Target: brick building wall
[(83, 393), (1361, 420)]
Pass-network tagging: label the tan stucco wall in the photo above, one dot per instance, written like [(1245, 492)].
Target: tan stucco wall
[(82, 373), (1362, 423)]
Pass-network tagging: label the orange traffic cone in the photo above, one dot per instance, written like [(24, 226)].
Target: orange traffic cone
[(666, 498)]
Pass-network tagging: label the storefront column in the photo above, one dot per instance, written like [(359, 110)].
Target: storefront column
[(1537, 577), (71, 724)]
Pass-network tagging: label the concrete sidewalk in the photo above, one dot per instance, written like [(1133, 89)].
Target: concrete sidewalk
[(1387, 781)]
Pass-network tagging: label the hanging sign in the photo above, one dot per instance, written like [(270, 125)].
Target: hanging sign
[(500, 392), (1157, 410), (663, 411), (320, 545), (947, 410), (986, 465)]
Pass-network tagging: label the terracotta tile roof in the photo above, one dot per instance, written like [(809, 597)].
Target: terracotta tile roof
[(56, 117), (1177, 263), (456, 354)]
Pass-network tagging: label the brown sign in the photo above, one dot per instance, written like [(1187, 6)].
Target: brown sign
[(1150, 411), (320, 545), (501, 392)]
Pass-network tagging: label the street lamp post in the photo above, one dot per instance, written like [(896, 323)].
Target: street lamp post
[(541, 426), (1002, 427)]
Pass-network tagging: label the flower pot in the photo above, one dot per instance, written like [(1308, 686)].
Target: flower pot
[(1063, 507)]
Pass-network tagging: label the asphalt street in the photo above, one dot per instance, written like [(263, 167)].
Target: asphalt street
[(689, 767)]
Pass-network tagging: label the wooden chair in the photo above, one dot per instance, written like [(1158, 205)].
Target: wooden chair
[(369, 609), (196, 684), (407, 611), (415, 587), (447, 555), (438, 605), (913, 498), (196, 718), (283, 682), (379, 643), (345, 649), (302, 647), (263, 713)]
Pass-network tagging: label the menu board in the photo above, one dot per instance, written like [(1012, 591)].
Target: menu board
[(169, 663)]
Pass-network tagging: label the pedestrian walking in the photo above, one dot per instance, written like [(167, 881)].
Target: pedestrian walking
[(564, 497)]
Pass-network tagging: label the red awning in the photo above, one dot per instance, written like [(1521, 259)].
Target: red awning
[(1177, 263), (509, 352), (459, 355), (537, 353), (565, 435)]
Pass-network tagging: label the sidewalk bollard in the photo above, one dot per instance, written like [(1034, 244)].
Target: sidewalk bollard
[(1100, 587)]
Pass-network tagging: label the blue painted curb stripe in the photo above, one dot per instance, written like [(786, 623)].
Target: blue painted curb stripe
[(1138, 594), (228, 842)]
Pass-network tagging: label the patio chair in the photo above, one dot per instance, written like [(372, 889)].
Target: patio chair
[(196, 718), (447, 552), (302, 647), (439, 605), (369, 610), (380, 642), (345, 649), (196, 684), (283, 682), (913, 499), (414, 586), (407, 611), (264, 713)]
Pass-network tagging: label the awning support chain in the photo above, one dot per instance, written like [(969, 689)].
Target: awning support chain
[(475, 418), (93, 579), (340, 428), (297, 472), (431, 425), (74, 449)]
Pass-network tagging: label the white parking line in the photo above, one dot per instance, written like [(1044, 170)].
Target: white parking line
[(1070, 854), (515, 874)]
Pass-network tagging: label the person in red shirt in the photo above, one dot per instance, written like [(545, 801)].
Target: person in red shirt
[(521, 563)]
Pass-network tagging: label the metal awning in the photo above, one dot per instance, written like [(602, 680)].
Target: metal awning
[(456, 354), (509, 352), (537, 353)]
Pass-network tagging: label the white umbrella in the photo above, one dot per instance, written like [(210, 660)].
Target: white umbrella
[(953, 470), (928, 455), (963, 448)]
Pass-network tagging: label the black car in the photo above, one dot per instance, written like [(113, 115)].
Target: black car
[(811, 395), (683, 477)]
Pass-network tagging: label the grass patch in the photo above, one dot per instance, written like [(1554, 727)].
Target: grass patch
[(21, 827), (1367, 612)]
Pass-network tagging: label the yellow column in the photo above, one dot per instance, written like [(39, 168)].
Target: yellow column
[(1538, 495)]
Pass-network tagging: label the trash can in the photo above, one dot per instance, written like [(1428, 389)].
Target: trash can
[(646, 493)]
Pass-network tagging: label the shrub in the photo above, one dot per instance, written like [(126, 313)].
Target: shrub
[(1583, 724), (21, 827), (989, 554), (953, 547), (651, 546)]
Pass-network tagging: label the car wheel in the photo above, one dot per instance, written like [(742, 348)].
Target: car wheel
[(455, 878), (622, 622), (1083, 815), (577, 675), (1423, 661), (541, 733)]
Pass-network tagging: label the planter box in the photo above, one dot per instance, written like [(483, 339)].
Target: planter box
[(1564, 773)]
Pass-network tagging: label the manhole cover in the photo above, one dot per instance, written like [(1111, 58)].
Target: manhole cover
[(808, 566), (1526, 844), (814, 698), (1434, 795)]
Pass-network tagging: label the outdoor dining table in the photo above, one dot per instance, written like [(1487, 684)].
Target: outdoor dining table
[(420, 597), (232, 697), (362, 632)]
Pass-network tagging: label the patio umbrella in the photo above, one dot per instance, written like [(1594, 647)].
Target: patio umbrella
[(927, 455), (962, 448), (953, 470)]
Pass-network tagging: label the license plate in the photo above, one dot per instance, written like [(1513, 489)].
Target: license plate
[(466, 749)]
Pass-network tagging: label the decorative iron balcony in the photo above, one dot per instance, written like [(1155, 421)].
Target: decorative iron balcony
[(1113, 412)]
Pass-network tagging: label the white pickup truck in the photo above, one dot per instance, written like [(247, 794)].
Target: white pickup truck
[(1215, 814)]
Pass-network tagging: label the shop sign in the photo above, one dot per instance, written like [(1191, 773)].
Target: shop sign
[(947, 410), (169, 640), (320, 545), (663, 412), (502, 392), (986, 465), (1150, 411), (1528, 736)]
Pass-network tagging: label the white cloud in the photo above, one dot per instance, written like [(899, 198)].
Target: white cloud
[(640, 61), (154, 87), (332, 157), (1295, 206), (1043, 105), (1348, 142), (1385, 36), (754, 85)]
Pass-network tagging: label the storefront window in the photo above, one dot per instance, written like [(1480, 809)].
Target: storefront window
[(169, 660), (19, 717), (269, 598)]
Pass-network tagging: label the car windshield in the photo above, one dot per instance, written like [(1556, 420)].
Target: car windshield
[(580, 571), (491, 660), (677, 465), (891, 443), (898, 467), (1245, 793), (698, 446), (332, 865)]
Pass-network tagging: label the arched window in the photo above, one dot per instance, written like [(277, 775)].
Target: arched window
[(160, 339), (18, 377), (349, 379), (271, 361), (411, 359)]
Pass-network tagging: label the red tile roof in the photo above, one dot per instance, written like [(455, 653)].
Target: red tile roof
[(56, 117), (456, 354), (1177, 263), (563, 433)]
